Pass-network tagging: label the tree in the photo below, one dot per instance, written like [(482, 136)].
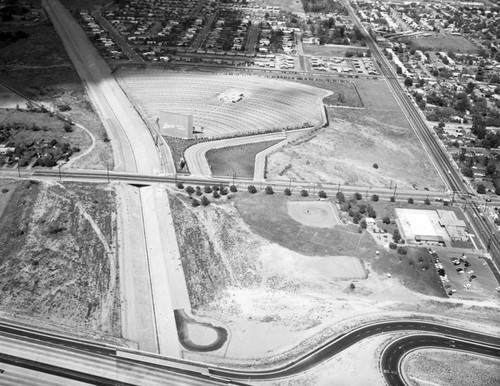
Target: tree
[(287, 192), (481, 189), (180, 185), (358, 196), (392, 199), (408, 82), (363, 224), (195, 203), (340, 196), (427, 201), (375, 198), (198, 191), (402, 251), (375, 166), (208, 189), (410, 200), (371, 212), (269, 190), (357, 218), (399, 70), (216, 194), (392, 245), (205, 201), (304, 193), (352, 286), (233, 189), (396, 236), (467, 171), (322, 194), (252, 189), (386, 220), (189, 190)]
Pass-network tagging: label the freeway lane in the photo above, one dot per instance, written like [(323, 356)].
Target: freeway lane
[(138, 368), (394, 353), (344, 341)]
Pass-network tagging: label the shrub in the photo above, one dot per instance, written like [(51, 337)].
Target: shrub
[(352, 286), (392, 199), (215, 188), (357, 218), (396, 236), (375, 165), (54, 229), (410, 200), (358, 196), (233, 188), (180, 185), (68, 128), (195, 203), (252, 189), (304, 193), (198, 191), (64, 108), (287, 192), (189, 190), (371, 212), (402, 251), (392, 245), (223, 190), (269, 190), (5, 190), (362, 224), (205, 201), (375, 198), (322, 194), (208, 189), (386, 220), (427, 201), (215, 194)]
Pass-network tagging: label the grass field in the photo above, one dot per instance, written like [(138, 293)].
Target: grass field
[(239, 160), (321, 50), (294, 6), (446, 43), (347, 90)]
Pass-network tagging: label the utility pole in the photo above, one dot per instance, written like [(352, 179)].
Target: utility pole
[(107, 171), (395, 188), (338, 188), (60, 176), (233, 177), (290, 183), (18, 170)]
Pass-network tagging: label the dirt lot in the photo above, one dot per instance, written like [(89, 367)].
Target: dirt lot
[(294, 6), (354, 141), (239, 160), (444, 367), (49, 77), (244, 269), (57, 261), (319, 50), (443, 43)]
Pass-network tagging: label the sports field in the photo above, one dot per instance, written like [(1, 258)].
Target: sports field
[(313, 213), (224, 105)]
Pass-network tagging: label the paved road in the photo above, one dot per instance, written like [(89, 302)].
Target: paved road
[(149, 318), (196, 159), (444, 165), (101, 364), (394, 353)]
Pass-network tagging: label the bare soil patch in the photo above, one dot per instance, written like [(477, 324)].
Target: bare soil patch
[(313, 214), (445, 367), (354, 141), (239, 160), (56, 256)]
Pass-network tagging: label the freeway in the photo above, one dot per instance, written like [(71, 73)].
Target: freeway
[(397, 350), (444, 165), (75, 359)]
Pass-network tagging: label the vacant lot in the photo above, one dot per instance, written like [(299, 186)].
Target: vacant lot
[(321, 50), (354, 141), (344, 94), (236, 160), (84, 4), (294, 6), (445, 367), (57, 265), (445, 43)]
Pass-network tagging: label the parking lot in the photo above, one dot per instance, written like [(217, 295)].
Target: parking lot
[(468, 275)]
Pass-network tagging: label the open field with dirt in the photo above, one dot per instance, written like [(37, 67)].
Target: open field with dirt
[(57, 262), (48, 77), (239, 160), (244, 269), (260, 104), (84, 4), (294, 6), (344, 94), (445, 367), (354, 141), (322, 50), (446, 43)]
